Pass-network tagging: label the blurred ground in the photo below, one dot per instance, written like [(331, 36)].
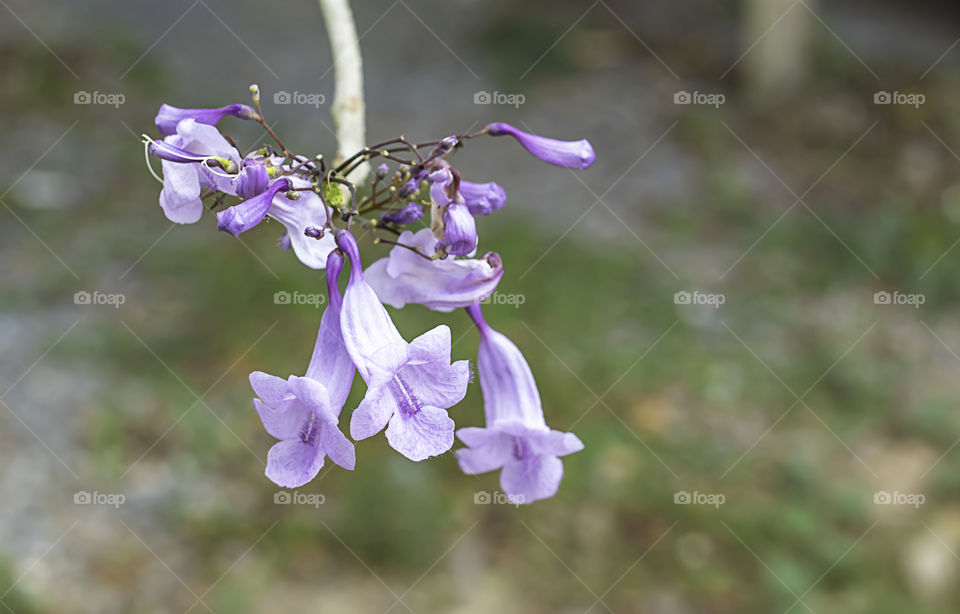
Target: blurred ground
[(800, 399)]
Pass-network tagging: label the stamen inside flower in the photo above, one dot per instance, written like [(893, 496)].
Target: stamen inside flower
[(411, 404), (309, 433)]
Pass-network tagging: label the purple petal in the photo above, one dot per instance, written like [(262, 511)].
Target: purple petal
[(482, 198), (338, 447), (293, 463), (241, 218), (285, 422), (568, 154), (529, 480), (408, 215), (299, 215), (372, 414), (180, 196), (168, 117), (313, 395), (253, 179), (273, 390), (460, 230), (429, 432)]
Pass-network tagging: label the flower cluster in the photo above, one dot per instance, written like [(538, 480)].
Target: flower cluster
[(429, 214)]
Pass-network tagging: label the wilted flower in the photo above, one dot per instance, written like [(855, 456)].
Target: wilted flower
[(516, 437), (442, 284)]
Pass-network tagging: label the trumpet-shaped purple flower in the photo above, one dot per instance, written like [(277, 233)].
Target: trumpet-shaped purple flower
[(568, 154), (409, 385), (482, 198), (303, 412), (183, 179), (169, 117), (308, 211), (516, 438), (442, 285)]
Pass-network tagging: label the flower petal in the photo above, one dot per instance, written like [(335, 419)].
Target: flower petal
[(531, 479), (180, 196), (372, 414), (428, 432), (274, 391), (338, 447), (283, 422), (313, 395), (293, 463)]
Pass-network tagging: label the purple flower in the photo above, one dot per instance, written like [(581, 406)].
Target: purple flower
[(459, 230), (297, 216), (442, 285), (183, 179), (169, 117), (516, 438), (482, 198), (569, 154), (409, 385), (253, 179), (303, 412), (408, 215)]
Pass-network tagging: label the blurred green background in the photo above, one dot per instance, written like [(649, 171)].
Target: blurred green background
[(801, 399)]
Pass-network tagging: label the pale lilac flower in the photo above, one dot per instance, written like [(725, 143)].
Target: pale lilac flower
[(442, 285), (482, 198), (303, 412), (409, 385), (516, 438), (308, 211), (168, 117), (183, 180), (569, 154), (409, 214)]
